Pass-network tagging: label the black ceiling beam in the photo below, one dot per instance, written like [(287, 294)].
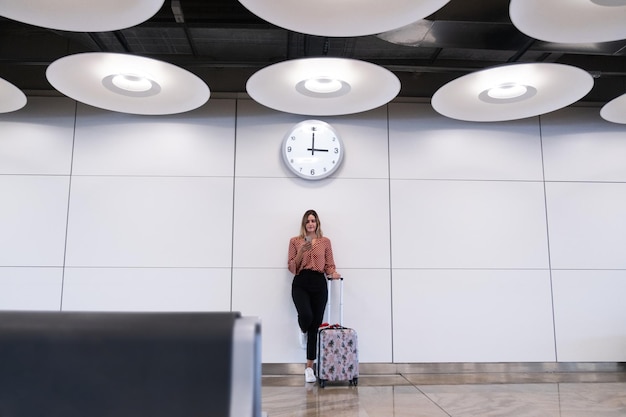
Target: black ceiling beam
[(122, 40)]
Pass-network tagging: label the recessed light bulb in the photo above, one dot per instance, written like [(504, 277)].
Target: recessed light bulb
[(130, 82), (507, 91), (323, 85)]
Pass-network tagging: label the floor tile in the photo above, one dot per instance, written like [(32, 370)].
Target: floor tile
[(516, 394), (502, 400), (343, 401), (597, 400)]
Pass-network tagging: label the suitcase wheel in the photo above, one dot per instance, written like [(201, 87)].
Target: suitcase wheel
[(354, 382), (322, 383)]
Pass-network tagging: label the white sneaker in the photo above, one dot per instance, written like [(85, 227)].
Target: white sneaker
[(302, 338), (309, 375)]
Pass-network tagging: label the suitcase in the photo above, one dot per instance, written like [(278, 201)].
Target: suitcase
[(337, 348)]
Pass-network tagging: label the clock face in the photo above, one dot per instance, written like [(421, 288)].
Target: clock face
[(312, 149)]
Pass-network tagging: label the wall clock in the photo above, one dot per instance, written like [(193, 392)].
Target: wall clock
[(312, 149)]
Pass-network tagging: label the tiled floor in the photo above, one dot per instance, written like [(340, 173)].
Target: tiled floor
[(490, 394)]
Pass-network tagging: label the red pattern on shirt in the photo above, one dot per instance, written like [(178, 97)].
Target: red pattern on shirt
[(319, 258)]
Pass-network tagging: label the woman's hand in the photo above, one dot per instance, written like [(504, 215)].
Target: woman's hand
[(334, 275), (305, 248), (301, 250)]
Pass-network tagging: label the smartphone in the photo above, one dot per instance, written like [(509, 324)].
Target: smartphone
[(307, 239)]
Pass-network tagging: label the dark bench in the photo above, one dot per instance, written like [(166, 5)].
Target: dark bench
[(93, 364)]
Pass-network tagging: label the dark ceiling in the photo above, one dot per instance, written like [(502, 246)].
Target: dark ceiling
[(224, 44)]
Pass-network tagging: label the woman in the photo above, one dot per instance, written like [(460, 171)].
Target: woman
[(310, 257)]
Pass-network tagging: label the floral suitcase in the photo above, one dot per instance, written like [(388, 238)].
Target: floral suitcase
[(337, 350), (337, 355)]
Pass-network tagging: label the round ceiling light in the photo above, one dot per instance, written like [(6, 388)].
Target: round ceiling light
[(11, 97), (570, 21), (342, 18), (323, 86), (127, 83), (615, 110), (81, 16), (512, 92)]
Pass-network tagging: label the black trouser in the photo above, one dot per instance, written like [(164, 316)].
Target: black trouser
[(310, 294)]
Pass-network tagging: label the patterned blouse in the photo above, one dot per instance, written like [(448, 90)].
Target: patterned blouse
[(319, 258)]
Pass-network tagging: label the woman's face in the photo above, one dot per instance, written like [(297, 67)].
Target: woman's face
[(311, 224)]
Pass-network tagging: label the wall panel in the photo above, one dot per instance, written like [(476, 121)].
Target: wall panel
[(267, 293), (368, 309), (353, 214), (38, 138), (472, 316), (150, 222), (468, 224), (197, 143), (590, 315), (146, 289), (586, 226), (425, 145), (33, 216), (579, 145), (31, 289)]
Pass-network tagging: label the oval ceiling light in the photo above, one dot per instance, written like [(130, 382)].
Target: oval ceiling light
[(81, 15), (570, 21), (127, 83), (11, 97), (512, 92), (615, 110), (342, 18), (323, 86)]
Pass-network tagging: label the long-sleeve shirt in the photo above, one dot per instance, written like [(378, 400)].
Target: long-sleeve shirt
[(319, 258)]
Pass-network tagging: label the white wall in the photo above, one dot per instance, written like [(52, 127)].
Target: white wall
[(460, 242)]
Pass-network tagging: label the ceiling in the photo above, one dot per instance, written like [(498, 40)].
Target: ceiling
[(224, 44)]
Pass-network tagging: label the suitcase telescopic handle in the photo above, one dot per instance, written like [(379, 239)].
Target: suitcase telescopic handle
[(330, 293)]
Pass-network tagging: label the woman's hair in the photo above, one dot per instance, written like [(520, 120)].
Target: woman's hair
[(318, 231)]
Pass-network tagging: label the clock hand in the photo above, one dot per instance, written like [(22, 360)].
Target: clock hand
[(312, 148)]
